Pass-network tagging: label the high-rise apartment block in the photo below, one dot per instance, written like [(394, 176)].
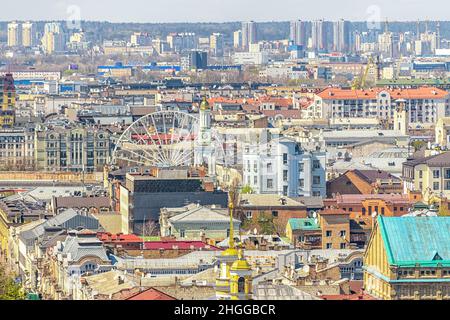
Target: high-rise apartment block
[(28, 34), (249, 34), (14, 34), (298, 33)]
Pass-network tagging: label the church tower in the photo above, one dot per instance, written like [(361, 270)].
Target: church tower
[(401, 117), (241, 279), (234, 281), (203, 145)]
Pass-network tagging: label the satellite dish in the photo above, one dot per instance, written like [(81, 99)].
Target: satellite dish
[(314, 214), (374, 215), (306, 268)]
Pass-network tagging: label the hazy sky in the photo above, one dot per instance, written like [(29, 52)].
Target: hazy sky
[(223, 10)]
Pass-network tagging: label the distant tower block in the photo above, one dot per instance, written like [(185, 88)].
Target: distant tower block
[(401, 117)]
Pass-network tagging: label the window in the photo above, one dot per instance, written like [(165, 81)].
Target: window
[(420, 174), (316, 179), (435, 185), (255, 180), (301, 167), (269, 167), (249, 214), (241, 285), (285, 158), (275, 214), (328, 233), (329, 245), (316, 164), (447, 173), (436, 174), (447, 185), (285, 190), (316, 194), (182, 233), (342, 233), (269, 183), (301, 183), (285, 175), (343, 245)]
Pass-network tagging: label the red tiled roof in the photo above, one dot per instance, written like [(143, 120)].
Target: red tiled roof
[(118, 238), (358, 198), (181, 245), (348, 297), (415, 93), (150, 294)]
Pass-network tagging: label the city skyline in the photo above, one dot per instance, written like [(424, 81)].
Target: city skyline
[(219, 11)]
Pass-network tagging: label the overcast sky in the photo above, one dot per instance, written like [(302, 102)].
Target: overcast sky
[(223, 10)]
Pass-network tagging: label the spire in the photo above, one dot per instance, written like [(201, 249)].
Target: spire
[(231, 210)]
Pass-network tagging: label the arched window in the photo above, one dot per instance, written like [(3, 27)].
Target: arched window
[(241, 285)]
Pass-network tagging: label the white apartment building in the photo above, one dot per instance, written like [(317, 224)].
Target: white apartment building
[(250, 58), (283, 167), (425, 105)]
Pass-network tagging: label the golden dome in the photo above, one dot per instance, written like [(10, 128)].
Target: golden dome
[(230, 252), (240, 265), (204, 105)]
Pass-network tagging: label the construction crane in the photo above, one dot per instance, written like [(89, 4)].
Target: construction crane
[(360, 82)]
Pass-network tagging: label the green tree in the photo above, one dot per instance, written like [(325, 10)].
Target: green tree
[(418, 145), (246, 190), (9, 290)]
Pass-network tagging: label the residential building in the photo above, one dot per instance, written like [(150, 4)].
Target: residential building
[(253, 207), (335, 228), (283, 167), (318, 35), (428, 175), (197, 222), (364, 205), (14, 34), (250, 58), (425, 105), (17, 149), (407, 258), (298, 33), (216, 44), (194, 60), (28, 34), (341, 36), (72, 148), (54, 39), (7, 101), (249, 34), (237, 39), (364, 182)]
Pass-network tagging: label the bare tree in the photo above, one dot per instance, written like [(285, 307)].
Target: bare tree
[(150, 228)]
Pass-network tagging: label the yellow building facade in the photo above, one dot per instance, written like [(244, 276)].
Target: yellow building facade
[(408, 258)]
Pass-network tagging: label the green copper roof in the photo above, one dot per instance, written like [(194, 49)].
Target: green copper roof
[(303, 224), (416, 240)]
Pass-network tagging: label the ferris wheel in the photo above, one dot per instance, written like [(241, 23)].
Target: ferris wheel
[(164, 139)]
